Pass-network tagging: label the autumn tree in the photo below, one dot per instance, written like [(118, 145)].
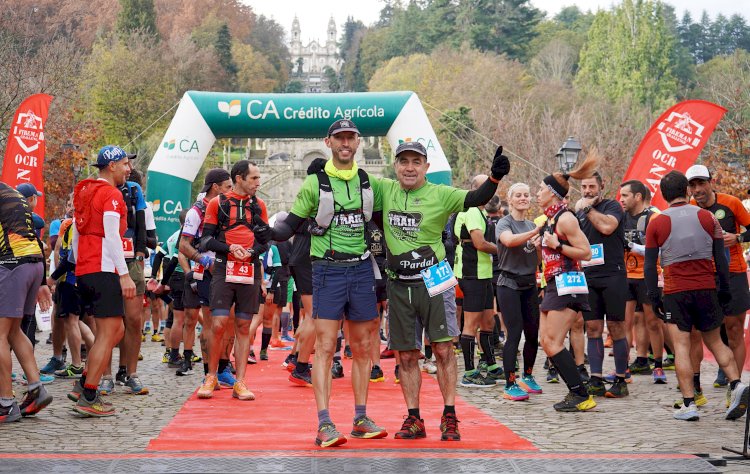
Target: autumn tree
[(136, 15)]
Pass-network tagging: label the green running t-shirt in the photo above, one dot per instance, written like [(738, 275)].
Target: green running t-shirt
[(346, 234), (173, 248), (414, 221), (470, 262)]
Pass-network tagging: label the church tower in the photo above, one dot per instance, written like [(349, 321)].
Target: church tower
[(331, 38), (296, 43)]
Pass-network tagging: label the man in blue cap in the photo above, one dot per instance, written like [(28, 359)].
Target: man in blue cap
[(32, 196)]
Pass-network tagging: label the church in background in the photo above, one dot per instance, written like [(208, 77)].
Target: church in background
[(315, 64)]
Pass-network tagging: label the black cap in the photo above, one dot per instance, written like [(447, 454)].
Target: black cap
[(343, 125), (215, 175), (411, 146)]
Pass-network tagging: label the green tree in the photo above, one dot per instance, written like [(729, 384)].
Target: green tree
[(456, 134), (267, 37), (136, 15), (332, 79), (628, 53), (294, 87), (223, 47)]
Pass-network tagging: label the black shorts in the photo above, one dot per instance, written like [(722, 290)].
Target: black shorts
[(607, 298), (381, 290), (637, 292), (225, 295), (177, 290), (67, 299), (192, 299), (696, 308), (280, 292), (101, 295), (478, 294), (302, 275), (554, 302), (740, 302)]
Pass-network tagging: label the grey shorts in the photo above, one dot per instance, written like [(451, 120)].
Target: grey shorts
[(411, 311), (18, 289)]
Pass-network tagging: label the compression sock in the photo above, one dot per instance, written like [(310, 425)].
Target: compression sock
[(658, 363), (566, 366), (188, 354), (449, 409), (338, 345), (596, 354), (174, 354), (621, 350), (359, 411), (265, 338), (485, 341), (467, 347), (284, 323), (89, 392), (324, 417), (428, 351), (222, 365), (414, 412), (697, 382)]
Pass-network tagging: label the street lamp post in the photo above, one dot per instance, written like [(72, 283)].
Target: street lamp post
[(75, 167), (568, 154)]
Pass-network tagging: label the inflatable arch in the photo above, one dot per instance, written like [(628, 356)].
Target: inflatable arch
[(202, 117)]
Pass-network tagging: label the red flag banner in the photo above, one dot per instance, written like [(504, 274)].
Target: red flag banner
[(25, 147), (673, 143)]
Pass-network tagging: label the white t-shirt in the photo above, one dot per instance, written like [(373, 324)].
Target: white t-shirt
[(149, 213)]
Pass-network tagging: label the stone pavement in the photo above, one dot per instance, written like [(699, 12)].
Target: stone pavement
[(640, 423)]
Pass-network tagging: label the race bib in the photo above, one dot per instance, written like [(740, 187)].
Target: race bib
[(438, 278), (198, 271), (239, 272), (128, 248), (571, 283), (597, 256)]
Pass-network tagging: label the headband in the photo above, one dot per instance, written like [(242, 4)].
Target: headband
[(556, 188)]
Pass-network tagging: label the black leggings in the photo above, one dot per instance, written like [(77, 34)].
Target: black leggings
[(520, 311)]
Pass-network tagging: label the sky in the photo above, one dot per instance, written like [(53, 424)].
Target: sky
[(314, 14)]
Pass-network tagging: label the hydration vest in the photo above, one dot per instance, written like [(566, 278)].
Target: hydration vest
[(326, 202), (245, 210), (131, 201)]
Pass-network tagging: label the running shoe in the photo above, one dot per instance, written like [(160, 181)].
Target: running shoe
[(528, 383), (165, 357), (196, 358), (76, 392), (546, 363), (143, 338), (34, 400), (328, 436), (337, 370), (584, 373), (365, 428), (496, 375), (721, 379), (387, 354), (251, 358), (552, 376), (53, 365), (640, 368), (226, 379), (140, 356), (612, 377), (574, 402), (11, 413), (301, 378), (475, 379), (348, 352), (186, 368), (738, 401), (449, 428), (668, 363), (617, 390), (70, 372), (608, 341), (121, 377), (263, 354), (482, 366), (44, 378), (157, 338), (291, 359), (396, 378), (515, 393), (413, 428), (241, 392), (175, 363), (659, 376), (135, 385), (97, 408), (107, 385), (687, 413), (429, 367), (287, 338), (376, 374), (277, 345), (596, 387), (700, 400), (231, 368), (209, 385)]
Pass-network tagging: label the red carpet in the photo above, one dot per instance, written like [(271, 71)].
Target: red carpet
[(283, 416)]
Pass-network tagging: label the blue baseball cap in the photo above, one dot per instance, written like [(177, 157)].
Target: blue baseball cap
[(111, 153), (27, 190)]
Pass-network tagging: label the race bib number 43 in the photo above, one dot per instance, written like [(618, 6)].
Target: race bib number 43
[(439, 278), (571, 283), (239, 272)]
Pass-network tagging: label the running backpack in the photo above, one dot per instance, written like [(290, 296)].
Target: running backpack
[(327, 203)]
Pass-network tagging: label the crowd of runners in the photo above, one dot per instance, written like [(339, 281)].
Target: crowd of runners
[(430, 271)]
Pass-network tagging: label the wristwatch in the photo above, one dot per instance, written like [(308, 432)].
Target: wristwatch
[(587, 209), (138, 258)]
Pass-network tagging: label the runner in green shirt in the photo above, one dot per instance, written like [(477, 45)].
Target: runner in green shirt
[(414, 214)]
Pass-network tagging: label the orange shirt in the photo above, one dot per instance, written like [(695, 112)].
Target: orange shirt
[(731, 214)]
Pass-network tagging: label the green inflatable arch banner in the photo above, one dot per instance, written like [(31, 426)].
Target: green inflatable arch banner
[(203, 117)]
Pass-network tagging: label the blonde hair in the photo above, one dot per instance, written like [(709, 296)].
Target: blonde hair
[(515, 186)]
